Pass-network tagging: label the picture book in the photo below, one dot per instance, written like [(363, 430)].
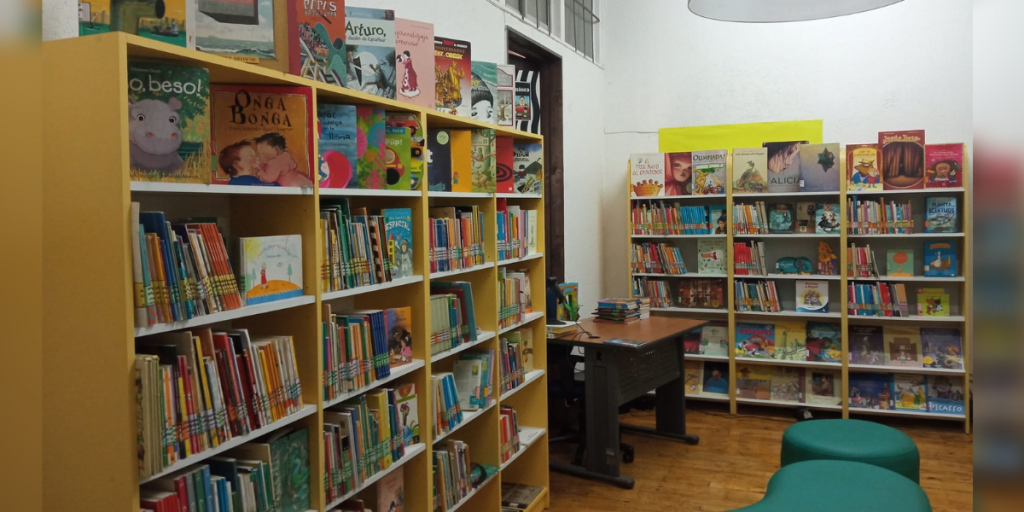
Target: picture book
[(754, 381), (316, 42), (932, 302), (398, 228), (718, 219), (503, 102), (806, 212), (289, 455), (371, 126), (812, 296), (408, 413), (824, 342), (826, 219), (271, 268), (787, 384), (398, 158), (755, 340), (399, 332), (168, 123), (903, 159), (505, 156), (940, 215), (749, 170), (871, 391), (168, 22), (414, 62), (941, 348), (484, 161), (691, 343), (867, 345), (484, 84), (527, 101), (945, 394), (370, 44), (339, 154), (453, 71), (862, 164), (899, 263), (945, 165), (571, 293), (714, 339), (709, 172), (902, 346), (783, 166), (263, 135), (711, 255), (646, 171), (781, 218), (462, 160), (694, 377), (791, 341), (528, 165), (910, 391), (391, 492), (439, 160), (526, 339), (417, 149), (821, 387), (716, 378), (678, 174), (819, 167), (940, 259), (242, 31)]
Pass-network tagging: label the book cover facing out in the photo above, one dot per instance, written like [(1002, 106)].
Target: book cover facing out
[(166, 21), (945, 165), (370, 44), (418, 150), (242, 31), (505, 155), (338, 151), (750, 170), (454, 71), (439, 160), (484, 84), (528, 162), (709, 172), (819, 167), (646, 172), (783, 166), (945, 394), (414, 58), (316, 42), (862, 167), (678, 174), (940, 259), (271, 268), (903, 159)]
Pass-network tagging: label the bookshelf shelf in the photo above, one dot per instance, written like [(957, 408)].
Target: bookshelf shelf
[(513, 261), (785, 194), (702, 357), (450, 273), (410, 452), (702, 311), (787, 235), (462, 195), (928, 191), (529, 318), (903, 369), (513, 195), (467, 418), (904, 412), (528, 436), (480, 338), (530, 378), (922, 279), (351, 292), (400, 372), (811, 277), (912, 235), (709, 398), (688, 275), (790, 314), (446, 120), (912, 318), (224, 316), (197, 188), (773, 403), (783, 362), (472, 493), (358, 192), (678, 236)]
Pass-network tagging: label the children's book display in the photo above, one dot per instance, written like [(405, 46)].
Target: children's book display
[(750, 170), (453, 67), (819, 167), (940, 259), (783, 166), (709, 172), (679, 174), (940, 215), (528, 168), (362, 249), (866, 217), (711, 256), (811, 296), (903, 159), (862, 164), (414, 61), (649, 218), (271, 268)]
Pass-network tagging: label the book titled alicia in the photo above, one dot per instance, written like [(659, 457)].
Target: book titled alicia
[(271, 268)]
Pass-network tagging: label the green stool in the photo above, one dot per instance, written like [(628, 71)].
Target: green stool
[(839, 486), (855, 441)]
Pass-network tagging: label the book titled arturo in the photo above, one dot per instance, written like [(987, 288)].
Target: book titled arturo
[(370, 44)]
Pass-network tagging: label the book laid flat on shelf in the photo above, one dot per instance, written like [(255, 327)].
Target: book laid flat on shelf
[(783, 166), (519, 496), (820, 387), (168, 123), (940, 215), (871, 391), (679, 174), (414, 61), (485, 90), (862, 164), (903, 159), (338, 151), (714, 339), (316, 42), (945, 165), (370, 44), (867, 345), (824, 342), (819, 167), (826, 219), (755, 340), (484, 162), (754, 381), (646, 174), (750, 170), (940, 259), (716, 378), (453, 69), (528, 165), (945, 394), (787, 384), (932, 302), (271, 268), (942, 348), (812, 296), (709, 172), (790, 341), (780, 218), (899, 263), (910, 391), (805, 215), (902, 346), (172, 26)]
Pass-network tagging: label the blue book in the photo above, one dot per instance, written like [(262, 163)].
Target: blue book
[(439, 161), (338, 153), (945, 394), (940, 215), (871, 391), (208, 487), (940, 259), (399, 241)]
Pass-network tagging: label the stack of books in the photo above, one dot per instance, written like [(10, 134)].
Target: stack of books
[(623, 311), (554, 331)]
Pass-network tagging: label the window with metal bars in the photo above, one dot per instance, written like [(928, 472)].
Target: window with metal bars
[(580, 23), (535, 12)]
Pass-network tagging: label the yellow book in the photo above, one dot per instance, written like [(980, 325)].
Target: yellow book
[(275, 380), (205, 385), (268, 383), (184, 435), (378, 400), (462, 161)]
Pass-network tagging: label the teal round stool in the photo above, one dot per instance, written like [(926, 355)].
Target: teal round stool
[(839, 486), (852, 440)]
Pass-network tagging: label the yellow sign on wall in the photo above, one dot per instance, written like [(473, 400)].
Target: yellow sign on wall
[(728, 136)]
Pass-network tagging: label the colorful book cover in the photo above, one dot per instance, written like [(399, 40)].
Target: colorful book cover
[(826, 219), (398, 226), (718, 217), (678, 174), (716, 378), (824, 342), (787, 384), (316, 42), (414, 58), (454, 72), (571, 293), (754, 381), (408, 413), (485, 88), (528, 165), (242, 31), (371, 127), (942, 348), (168, 132), (945, 394), (940, 215), (902, 346), (714, 339), (503, 106), (526, 338), (646, 171), (418, 150), (871, 391), (694, 376), (903, 159), (398, 158), (439, 161), (391, 492), (862, 163), (691, 343), (781, 218), (910, 391), (370, 44), (867, 345), (399, 325), (289, 456), (271, 268), (263, 135), (821, 387), (899, 263), (791, 341), (783, 166), (339, 154), (505, 155), (940, 259), (811, 296), (709, 172), (711, 256), (524, 99), (484, 163), (462, 160), (750, 170), (932, 302), (945, 165), (166, 21), (819, 167), (755, 340)]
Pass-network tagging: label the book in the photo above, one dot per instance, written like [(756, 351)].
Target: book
[(519, 496), (806, 213), (903, 159), (944, 165), (462, 160), (693, 377), (289, 456), (371, 168), (646, 172), (862, 164), (399, 332), (170, 21), (417, 152), (899, 263), (783, 166), (242, 32), (791, 341), (484, 83), (400, 246), (505, 162), (945, 394), (271, 268), (691, 343), (338, 149), (932, 302), (940, 215), (709, 172), (527, 101), (750, 170), (910, 391), (826, 219), (940, 259), (714, 339), (439, 163), (168, 123), (262, 135), (370, 44), (678, 174), (453, 70), (902, 346), (711, 256), (755, 340), (941, 348), (701, 293), (754, 381), (316, 42), (528, 165), (867, 345), (398, 158), (787, 384), (718, 219), (526, 338), (871, 391), (408, 416), (811, 296), (780, 218), (391, 492), (414, 61), (504, 101), (468, 374), (716, 378), (819, 167), (824, 342), (820, 387), (484, 160)]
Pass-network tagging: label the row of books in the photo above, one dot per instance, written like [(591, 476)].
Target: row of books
[(749, 219), (363, 346), (860, 262), (390, 154), (514, 298), (508, 423), (515, 349), (517, 231), (656, 291), (650, 258), (748, 259), (803, 217), (659, 219), (466, 388), (456, 238), (361, 249), (940, 394), (479, 161), (759, 296), (887, 299), (813, 341), (452, 315), (908, 347), (196, 390), (453, 470), (878, 217)]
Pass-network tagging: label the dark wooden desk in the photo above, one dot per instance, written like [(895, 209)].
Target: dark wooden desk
[(616, 374)]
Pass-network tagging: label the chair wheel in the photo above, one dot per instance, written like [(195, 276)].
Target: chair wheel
[(627, 455)]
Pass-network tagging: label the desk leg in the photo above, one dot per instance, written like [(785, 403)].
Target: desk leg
[(669, 410), (602, 454)]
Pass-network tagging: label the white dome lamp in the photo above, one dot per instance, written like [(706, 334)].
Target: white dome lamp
[(777, 11)]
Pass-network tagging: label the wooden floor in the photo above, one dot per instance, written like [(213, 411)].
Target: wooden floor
[(736, 456)]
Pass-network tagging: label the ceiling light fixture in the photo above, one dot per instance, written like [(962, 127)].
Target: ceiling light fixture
[(777, 11)]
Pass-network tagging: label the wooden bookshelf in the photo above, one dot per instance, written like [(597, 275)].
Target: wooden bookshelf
[(959, 287), (92, 457)]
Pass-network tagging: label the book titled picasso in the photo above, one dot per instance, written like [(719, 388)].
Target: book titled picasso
[(271, 268)]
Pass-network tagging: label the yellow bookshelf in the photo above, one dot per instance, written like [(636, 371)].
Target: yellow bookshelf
[(89, 401)]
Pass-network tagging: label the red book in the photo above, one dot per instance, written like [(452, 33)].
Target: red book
[(242, 363), (229, 395), (945, 165), (903, 159), (313, 28), (190, 410), (181, 487), (506, 176)]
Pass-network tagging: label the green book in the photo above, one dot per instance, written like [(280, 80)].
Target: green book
[(899, 263), (289, 458)]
